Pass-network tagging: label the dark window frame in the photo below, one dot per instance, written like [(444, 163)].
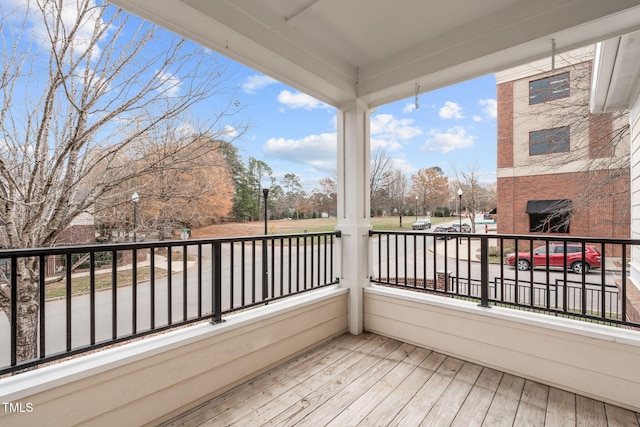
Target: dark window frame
[(550, 141), (549, 88)]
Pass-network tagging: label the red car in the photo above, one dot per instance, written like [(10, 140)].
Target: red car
[(557, 258)]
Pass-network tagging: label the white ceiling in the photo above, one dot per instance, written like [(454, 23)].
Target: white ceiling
[(378, 50)]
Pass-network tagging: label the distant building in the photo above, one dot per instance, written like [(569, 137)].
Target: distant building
[(557, 170), (81, 231)]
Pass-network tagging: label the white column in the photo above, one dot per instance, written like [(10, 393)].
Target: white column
[(634, 120), (354, 220)]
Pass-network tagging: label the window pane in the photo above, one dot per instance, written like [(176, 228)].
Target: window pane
[(549, 141), (549, 88)]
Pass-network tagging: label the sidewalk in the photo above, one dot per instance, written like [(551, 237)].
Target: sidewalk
[(160, 262)]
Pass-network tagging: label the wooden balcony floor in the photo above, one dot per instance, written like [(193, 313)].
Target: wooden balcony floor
[(370, 380)]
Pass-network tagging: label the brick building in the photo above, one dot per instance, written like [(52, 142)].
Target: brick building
[(558, 169), (81, 231)]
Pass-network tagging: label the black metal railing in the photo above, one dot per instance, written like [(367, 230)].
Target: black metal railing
[(476, 267), (99, 295)]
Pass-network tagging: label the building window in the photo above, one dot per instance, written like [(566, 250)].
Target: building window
[(549, 216), (549, 141), (549, 88)]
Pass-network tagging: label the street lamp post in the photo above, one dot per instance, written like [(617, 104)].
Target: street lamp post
[(265, 193), (265, 270), (134, 199), (416, 208), (460, 211)]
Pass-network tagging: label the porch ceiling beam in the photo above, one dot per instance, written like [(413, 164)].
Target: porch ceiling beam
[(480, 48), (337, 51), (270, 46)]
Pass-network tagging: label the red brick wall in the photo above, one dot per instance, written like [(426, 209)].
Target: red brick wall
[(600, 134), (505, 125), (605, 214), (505, 195), (77, 235)]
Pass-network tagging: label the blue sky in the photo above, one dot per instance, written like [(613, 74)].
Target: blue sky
[(453, 128)]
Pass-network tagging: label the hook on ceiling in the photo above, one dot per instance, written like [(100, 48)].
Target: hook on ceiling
[(417, 93)]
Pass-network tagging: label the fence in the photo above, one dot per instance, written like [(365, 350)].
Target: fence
[(584, 278), (67, 312)]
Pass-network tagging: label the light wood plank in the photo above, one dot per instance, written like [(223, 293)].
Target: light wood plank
[(533, 404), (369, 399), (416, 409), (251, 403), (620, 417), (447, 407), (299, 391), (561, 408), (389, 408), (370, 380), (474, 408), (314, 359), (348, 395), (299, 409), (502, 411), (590, 413)]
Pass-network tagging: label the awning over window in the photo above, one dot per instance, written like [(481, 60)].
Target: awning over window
[(548, 206)]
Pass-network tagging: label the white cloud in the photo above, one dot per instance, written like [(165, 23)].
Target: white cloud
[(230, 131), (170, 84), (386, 144), (451, 110), (487, 177), (385, 126), (84, 32), (452, 139), (489, 107), (256, 82), (409, 108), (318, 151), (403, 165), (300, 100)]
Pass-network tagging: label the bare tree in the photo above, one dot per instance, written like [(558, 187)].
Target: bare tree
[(82, 85), (381, 171), (188, 190), (397, 187), (329, 190), (469, 182), (430, 186)]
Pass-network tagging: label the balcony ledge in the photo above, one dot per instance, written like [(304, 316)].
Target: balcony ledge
[(576, 327), (582, 358), (176, 369)]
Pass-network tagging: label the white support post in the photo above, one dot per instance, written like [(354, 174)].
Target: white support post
[(354, 221)]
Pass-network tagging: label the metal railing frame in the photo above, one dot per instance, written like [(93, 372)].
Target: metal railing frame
[(442, 259), (280, 282)]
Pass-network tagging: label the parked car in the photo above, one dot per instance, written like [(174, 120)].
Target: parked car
[(466, 228), (421, 224), (444, 229), (557, 258)]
